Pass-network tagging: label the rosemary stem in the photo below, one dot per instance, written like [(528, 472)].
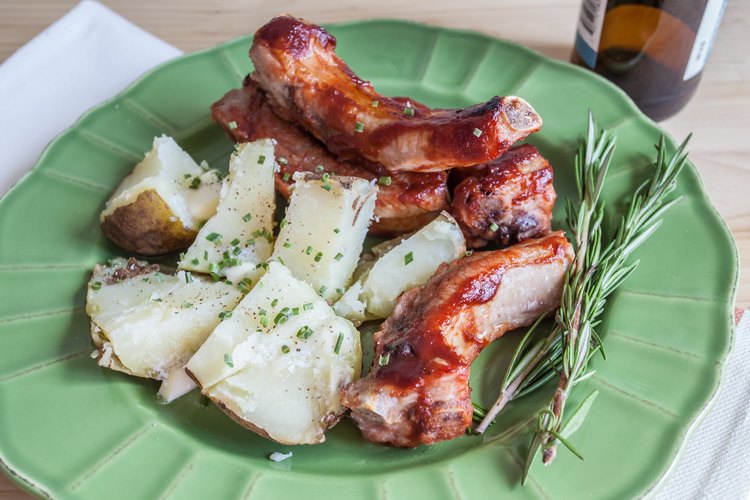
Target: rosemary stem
[(508, 393)]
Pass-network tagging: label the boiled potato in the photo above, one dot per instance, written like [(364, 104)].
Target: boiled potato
[(400, 264), (277, 365), (239, 236), (325, 226), (158, 208), (146, 323)]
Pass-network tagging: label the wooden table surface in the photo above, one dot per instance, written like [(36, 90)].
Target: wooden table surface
[(717, 115)]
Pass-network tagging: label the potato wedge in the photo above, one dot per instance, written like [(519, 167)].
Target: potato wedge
[(325, 226), (159, 206), (146, 323), (398, 265), (277, 365), (240, 235)]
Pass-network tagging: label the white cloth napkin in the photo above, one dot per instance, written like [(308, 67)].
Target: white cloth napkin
[(91, 54), (713, 462), (86, 57)]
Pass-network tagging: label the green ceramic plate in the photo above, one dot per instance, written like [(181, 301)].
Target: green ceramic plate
[(71, 429)]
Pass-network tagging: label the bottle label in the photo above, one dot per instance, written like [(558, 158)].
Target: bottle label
[(590, 29), (704, 38)]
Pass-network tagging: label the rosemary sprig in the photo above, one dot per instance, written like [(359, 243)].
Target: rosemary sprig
[(598, 269)]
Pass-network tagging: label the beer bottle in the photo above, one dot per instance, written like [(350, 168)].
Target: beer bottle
[(655, 50)]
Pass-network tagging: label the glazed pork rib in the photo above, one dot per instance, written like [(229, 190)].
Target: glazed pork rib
[(418, 389), (408, 201), (506, 200), (307, 83)]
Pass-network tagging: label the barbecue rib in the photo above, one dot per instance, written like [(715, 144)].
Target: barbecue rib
[(410, 201), (506, 200), (418, 389), (307, 83)]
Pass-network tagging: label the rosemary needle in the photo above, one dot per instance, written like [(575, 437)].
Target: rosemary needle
[(598, 269)]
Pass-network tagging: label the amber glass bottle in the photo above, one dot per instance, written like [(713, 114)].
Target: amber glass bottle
[(655, 50)]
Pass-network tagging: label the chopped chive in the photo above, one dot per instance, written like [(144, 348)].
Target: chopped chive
[(326, 186), (282, 160), (318, 256), (96, 285), (340, 291), (326, 176), (186, 176), (359, 127), (283, 316), (225, 315), (304, 333), (213, 237), (232, 125), (283, 223), (477, 132), (409, 111), (205, 255), (250, 242), (385, 180), (235, 242), (408, 258), (286, 176), (307, 306), (261, 159), (159, 277), (319, 168), (228, 360), (322, 289), (494, 227), (339, 340), (195, 262), (468, 253), (195, 183), (336, 230), (186, 305), (247, 217), (274, 302), (245, 285), (295, 311), (188, 277), (384, 359), (375, 104), (287, 244), (237, 251), (285, 349), (339, 256), (309, 250), (264, 320)]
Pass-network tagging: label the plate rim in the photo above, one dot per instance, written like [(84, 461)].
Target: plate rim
[(27, 484)]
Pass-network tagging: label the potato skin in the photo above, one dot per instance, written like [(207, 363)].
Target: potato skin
[(330, 420), (147, 226)]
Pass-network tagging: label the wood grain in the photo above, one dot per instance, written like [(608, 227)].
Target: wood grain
[(717, 115)]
